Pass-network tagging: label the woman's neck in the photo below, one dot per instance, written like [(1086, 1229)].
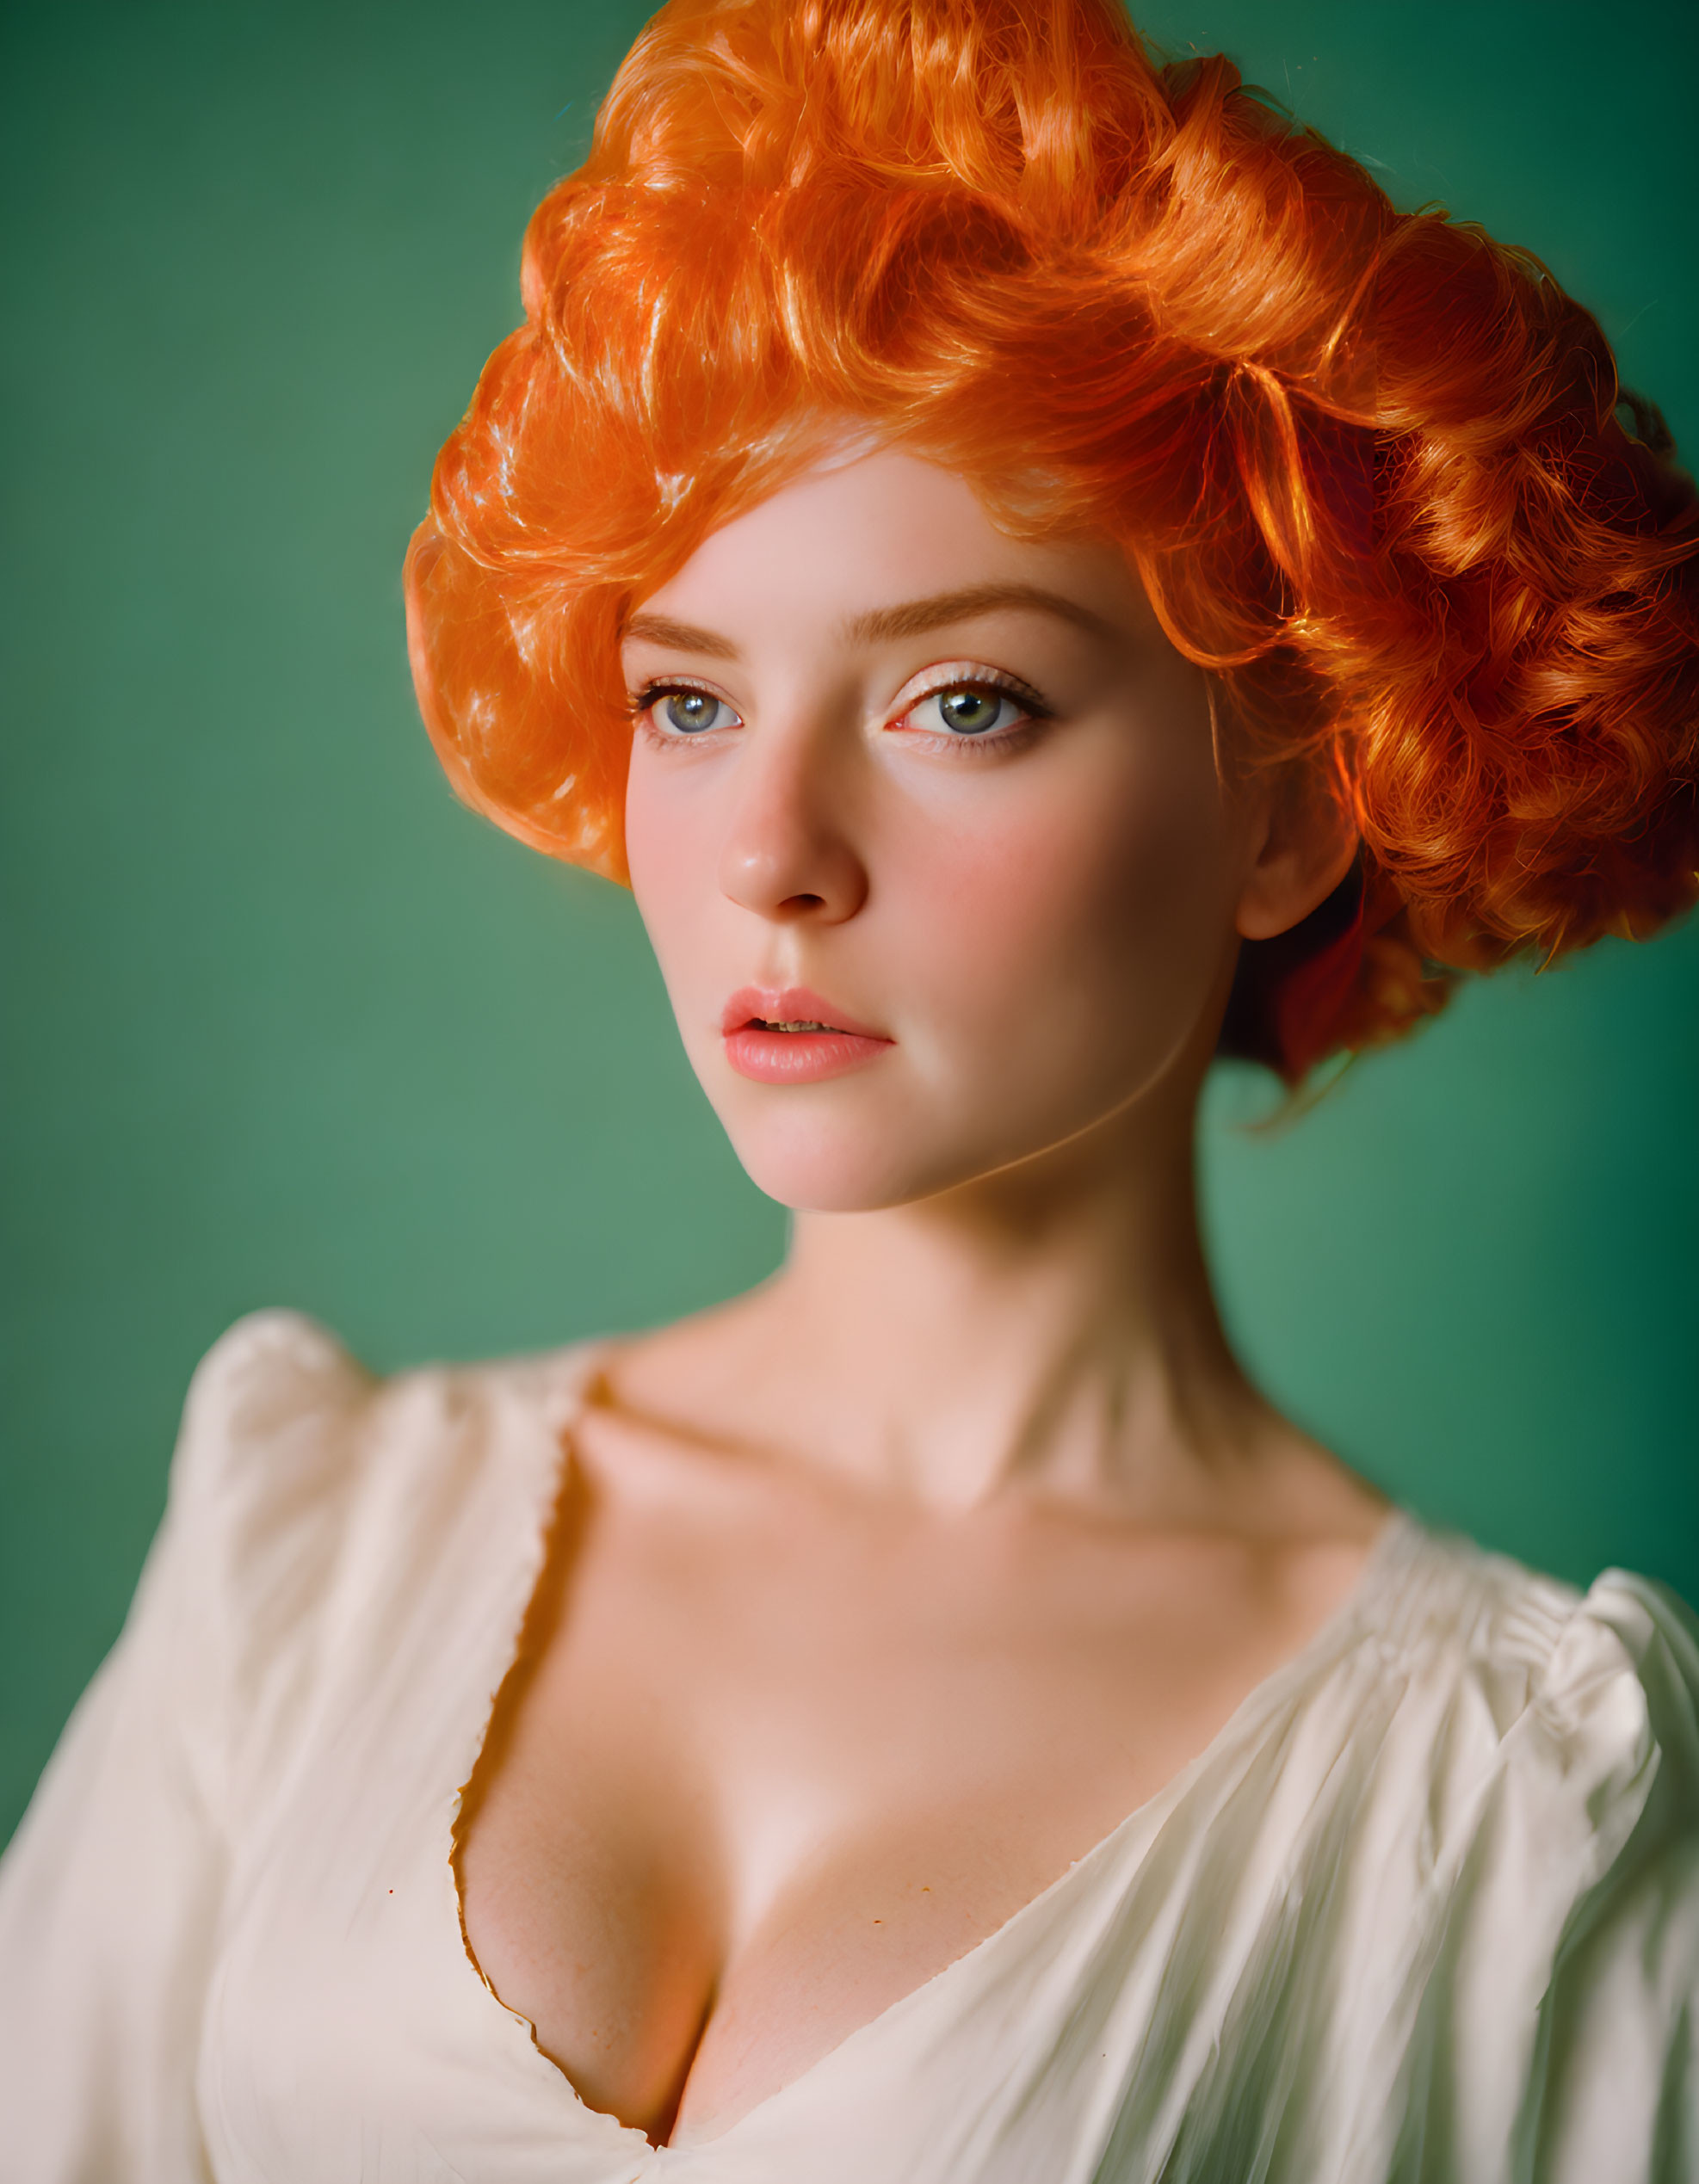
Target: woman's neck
[(1049, 1331), (1052, 1328)]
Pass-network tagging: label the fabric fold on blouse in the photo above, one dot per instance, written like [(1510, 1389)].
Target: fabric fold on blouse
[(1426, 1909)]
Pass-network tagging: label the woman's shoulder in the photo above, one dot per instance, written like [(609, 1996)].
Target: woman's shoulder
[(275, 1395), (281, 1416), (1553, 1741), (309, 1494), (1573, 1712), (1571, 1649)]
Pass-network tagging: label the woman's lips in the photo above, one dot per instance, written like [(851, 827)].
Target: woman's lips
[(791, 1036)]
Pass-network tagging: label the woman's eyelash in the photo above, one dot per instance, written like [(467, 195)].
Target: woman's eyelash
[(990, 743), (995, 686), (640, 701)]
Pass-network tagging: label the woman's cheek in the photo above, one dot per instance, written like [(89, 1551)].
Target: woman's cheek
[(1073, 945), (671, 854), (1061, 893)]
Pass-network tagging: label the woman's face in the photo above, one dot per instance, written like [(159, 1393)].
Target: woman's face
[(926, 828)]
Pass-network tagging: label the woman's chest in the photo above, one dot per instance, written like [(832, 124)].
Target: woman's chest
[(1129, 2022), (764, 1775)]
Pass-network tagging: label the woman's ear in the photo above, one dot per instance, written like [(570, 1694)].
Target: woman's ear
[(1303, 843)]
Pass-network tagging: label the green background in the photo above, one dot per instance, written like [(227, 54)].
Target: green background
[(284, 1024)]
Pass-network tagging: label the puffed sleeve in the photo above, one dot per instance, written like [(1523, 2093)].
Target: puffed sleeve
[(1619, 2100), (110, 1893)]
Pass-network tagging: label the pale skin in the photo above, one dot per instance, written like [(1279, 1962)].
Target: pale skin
[(884, 1593)]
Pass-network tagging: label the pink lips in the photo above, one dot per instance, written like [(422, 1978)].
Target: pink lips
[(831, 1045)]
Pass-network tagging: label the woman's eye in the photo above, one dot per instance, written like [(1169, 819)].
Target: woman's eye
[(690, 712), (966, 710)]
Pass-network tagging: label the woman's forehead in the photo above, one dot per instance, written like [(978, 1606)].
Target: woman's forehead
[(882, 544)]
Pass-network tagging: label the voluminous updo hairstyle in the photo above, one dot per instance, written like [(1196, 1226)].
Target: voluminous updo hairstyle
[(1374, 469)]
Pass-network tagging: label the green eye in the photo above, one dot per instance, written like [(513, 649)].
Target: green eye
[(693, 713), (969, 713), (966, 711)]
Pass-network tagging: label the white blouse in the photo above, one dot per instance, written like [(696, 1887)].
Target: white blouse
[(1426, 1909)]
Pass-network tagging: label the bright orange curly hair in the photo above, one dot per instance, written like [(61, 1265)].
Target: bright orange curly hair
[(1369, 464)]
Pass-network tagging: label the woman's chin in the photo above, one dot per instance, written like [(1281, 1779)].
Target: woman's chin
[(841, 1164), (855, 1148), (834, 1179), (821, 1164)]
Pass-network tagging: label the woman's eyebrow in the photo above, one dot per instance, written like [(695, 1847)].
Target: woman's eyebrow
[(911, 617), (679, 637), (915, 617)]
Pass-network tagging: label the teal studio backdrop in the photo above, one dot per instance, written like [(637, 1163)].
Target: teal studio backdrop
[(285, 1025)]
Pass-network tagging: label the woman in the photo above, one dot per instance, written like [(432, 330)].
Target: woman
[(1039, 576)]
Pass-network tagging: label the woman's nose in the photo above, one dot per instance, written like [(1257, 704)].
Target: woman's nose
[(789, 851)]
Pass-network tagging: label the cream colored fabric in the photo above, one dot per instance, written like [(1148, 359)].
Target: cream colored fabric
[(1427, 1908)]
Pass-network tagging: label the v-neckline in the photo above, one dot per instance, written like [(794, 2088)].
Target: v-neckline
[(568, 1377)]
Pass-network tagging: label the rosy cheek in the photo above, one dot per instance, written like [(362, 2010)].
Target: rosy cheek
[(1052, 916), (985, 915), (1030, 860)]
